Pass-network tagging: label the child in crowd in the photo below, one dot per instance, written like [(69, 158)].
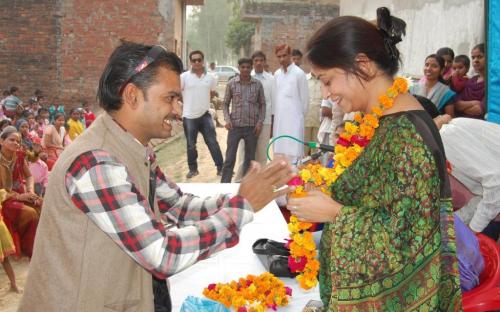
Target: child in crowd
[(39, 126), (67, 138), (448, 56), (38, 168), (4, 123), (461, 65), (7, 248), (53, 111), (75, 125), (88, 114)]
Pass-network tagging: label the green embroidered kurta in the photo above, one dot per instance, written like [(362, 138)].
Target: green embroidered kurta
[(392, 248)]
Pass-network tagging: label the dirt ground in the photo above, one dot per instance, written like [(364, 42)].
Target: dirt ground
[(172, 159)]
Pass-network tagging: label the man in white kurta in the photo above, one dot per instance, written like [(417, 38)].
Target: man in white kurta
[(292, 101), (472, 147)]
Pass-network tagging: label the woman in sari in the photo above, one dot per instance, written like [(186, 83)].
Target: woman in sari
[(433, 88), (470, 101), (53, 138), (21, 209), (388, 243), (22, 126)]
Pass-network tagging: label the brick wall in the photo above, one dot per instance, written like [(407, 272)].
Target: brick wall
[(61, 46), (27, 44), (287, 22)]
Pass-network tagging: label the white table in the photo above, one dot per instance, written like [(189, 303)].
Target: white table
[(238, 261)]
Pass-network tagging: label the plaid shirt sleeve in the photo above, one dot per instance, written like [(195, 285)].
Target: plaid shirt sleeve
[(101, 187), (183, 209)]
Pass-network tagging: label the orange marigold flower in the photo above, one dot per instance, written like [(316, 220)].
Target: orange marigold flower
[(386, 101), (392, 92), (358, 117), (377, 111), (401, 84)]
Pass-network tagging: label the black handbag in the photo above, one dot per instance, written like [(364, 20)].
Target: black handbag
[(274, 256)]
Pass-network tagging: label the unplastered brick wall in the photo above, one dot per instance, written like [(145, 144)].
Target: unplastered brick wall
[(61, 46), (28, 42), (287, 22)]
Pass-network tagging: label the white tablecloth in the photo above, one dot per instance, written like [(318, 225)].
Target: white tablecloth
[(238, 261)]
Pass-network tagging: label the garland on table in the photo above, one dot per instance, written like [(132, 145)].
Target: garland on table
[(251, 294), (350, 145)]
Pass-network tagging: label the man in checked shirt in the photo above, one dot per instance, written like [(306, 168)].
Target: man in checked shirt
[(102, 243)]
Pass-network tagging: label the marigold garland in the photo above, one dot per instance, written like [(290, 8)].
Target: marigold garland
[(350, 145), (251, 294)]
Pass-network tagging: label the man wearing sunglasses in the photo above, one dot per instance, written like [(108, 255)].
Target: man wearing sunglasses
[(113, 226), (198, 87)]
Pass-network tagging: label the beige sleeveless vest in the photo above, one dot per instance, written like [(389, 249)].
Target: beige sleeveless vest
[(76, 266)]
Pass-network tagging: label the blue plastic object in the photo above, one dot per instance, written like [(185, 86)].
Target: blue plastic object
[(196, 304)]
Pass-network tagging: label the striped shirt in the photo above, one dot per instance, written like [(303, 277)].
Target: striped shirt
[(248, 103), (102, 188)]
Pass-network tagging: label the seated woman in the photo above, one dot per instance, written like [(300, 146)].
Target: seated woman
[(433, 88), (22, 126), (53, 139), (21, 210), (388, 243), (470, 102)]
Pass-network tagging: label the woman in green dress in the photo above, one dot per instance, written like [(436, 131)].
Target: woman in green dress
[(388, 243)]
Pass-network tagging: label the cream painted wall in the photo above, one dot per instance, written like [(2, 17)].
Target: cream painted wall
[(431, 24)]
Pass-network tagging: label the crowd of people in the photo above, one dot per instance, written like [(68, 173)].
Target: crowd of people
[(388, 240), (32, 134)]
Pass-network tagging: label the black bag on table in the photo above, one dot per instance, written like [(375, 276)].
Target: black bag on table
[(274, 256)]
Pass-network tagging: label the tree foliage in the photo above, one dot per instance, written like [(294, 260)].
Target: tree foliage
[(239, 35), (206, 30), (216, 29)]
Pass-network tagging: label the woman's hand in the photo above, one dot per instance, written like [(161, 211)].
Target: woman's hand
[(27, 197), (315, 207)]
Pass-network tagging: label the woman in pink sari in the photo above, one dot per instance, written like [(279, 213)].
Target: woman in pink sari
[(52, 140), (21, 209)]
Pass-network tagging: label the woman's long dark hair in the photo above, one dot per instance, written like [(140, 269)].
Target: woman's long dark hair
[(337, 43)]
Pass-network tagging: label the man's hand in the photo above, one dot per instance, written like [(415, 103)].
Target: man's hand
[(260, 183), (229, 125), (257, 129)]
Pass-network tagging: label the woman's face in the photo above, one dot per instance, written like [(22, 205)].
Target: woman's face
[(478, 60), (432, 69), (24, 128), (59, 122), (448, 62), (12, 142), (343, 88), (31, 120)]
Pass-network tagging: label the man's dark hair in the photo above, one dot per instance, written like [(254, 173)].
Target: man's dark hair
[(38, 92), (196, 52), (13, 90), (6, 93), (120, 69), (464, 59), (245, 60), (296, 52), (258, 54)]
